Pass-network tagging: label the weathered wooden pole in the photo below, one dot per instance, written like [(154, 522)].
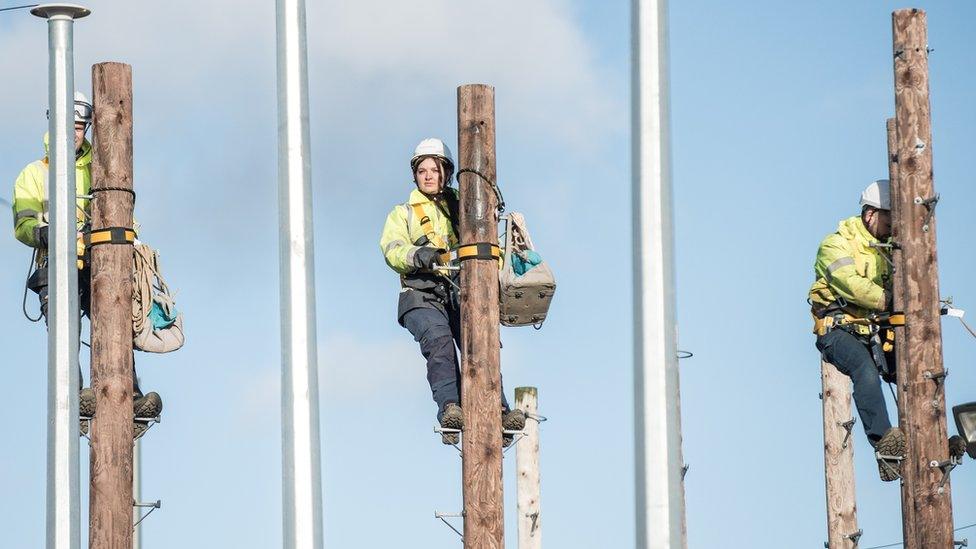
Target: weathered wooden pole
[(480, 369), (110, 509), (842, 530), (528, 485), (924, 380), (899, 197)]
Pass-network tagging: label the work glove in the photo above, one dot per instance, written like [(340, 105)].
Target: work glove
[(40, 236), (427, 257)]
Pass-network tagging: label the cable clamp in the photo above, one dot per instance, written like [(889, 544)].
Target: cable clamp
[(110, 235), (479, 250)]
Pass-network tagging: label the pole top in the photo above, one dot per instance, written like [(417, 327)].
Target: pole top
[(60, 11)]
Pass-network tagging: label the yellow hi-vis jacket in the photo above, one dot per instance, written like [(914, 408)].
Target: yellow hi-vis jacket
[(408, 224), (851, 275), (30, 202)]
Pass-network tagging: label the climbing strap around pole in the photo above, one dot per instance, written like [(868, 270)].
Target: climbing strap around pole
[(110, 235), (491, 183), (478, 250)]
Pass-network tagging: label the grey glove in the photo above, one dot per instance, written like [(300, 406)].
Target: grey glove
[(427, 257), (40, 236)]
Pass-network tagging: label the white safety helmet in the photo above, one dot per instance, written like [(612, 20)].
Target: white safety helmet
[(877, 195), (436, 148), (83, 110)]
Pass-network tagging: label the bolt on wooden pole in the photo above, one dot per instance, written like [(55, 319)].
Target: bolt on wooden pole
[(528, 485), (110, 510), (925, 416), (480, 369), (901, 364), (842, 530)]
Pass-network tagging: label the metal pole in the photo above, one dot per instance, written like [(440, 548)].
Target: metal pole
[(660, 506), (301, 483), (63, 504)]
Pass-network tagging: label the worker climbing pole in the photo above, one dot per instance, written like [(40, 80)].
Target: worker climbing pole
[(480, 348), (927, 505)]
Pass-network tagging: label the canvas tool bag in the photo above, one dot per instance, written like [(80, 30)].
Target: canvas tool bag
[(524, 299), (149, 290)]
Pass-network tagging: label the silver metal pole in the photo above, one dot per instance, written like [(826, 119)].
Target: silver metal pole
[(659, 484), (301, 483), (63, 504)]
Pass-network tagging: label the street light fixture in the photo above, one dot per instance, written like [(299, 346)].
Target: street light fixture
[(965, 415)]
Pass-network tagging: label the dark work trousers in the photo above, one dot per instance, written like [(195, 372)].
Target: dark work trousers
[(38, 284), (852, 357), (437, 330)]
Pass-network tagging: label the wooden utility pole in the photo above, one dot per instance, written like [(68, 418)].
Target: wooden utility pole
[(110, 522), (924, 376), (480, 369), (528, 484), (901, 363), (842, 530)]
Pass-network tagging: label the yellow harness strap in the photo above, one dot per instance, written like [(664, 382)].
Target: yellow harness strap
[(427, 226)]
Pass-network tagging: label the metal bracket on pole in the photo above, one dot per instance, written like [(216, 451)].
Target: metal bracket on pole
[(516, 436), (961, 543), (937, 377), (855, 537), (152, 505), (885, 459), (946, 467), (848, 426), (149, 421), (929, 202), (443, 518)]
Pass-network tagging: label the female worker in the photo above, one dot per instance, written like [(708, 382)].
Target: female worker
[(416, 241)]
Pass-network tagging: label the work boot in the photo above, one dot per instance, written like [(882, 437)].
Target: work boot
[(512, 420), (147, 406), (451, 418), (144, 408), (86, 409), (957, 446), (890, 452), (86, 402)]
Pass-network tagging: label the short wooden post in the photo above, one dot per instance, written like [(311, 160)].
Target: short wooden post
[(110, 522), (484, 526), (528, 485), (842, 530)]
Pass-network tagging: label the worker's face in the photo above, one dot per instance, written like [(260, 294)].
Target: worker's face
[(878, 223), (79, 135), (429, 178)]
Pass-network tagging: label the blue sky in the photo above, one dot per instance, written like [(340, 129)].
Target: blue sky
[(778, 122)]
